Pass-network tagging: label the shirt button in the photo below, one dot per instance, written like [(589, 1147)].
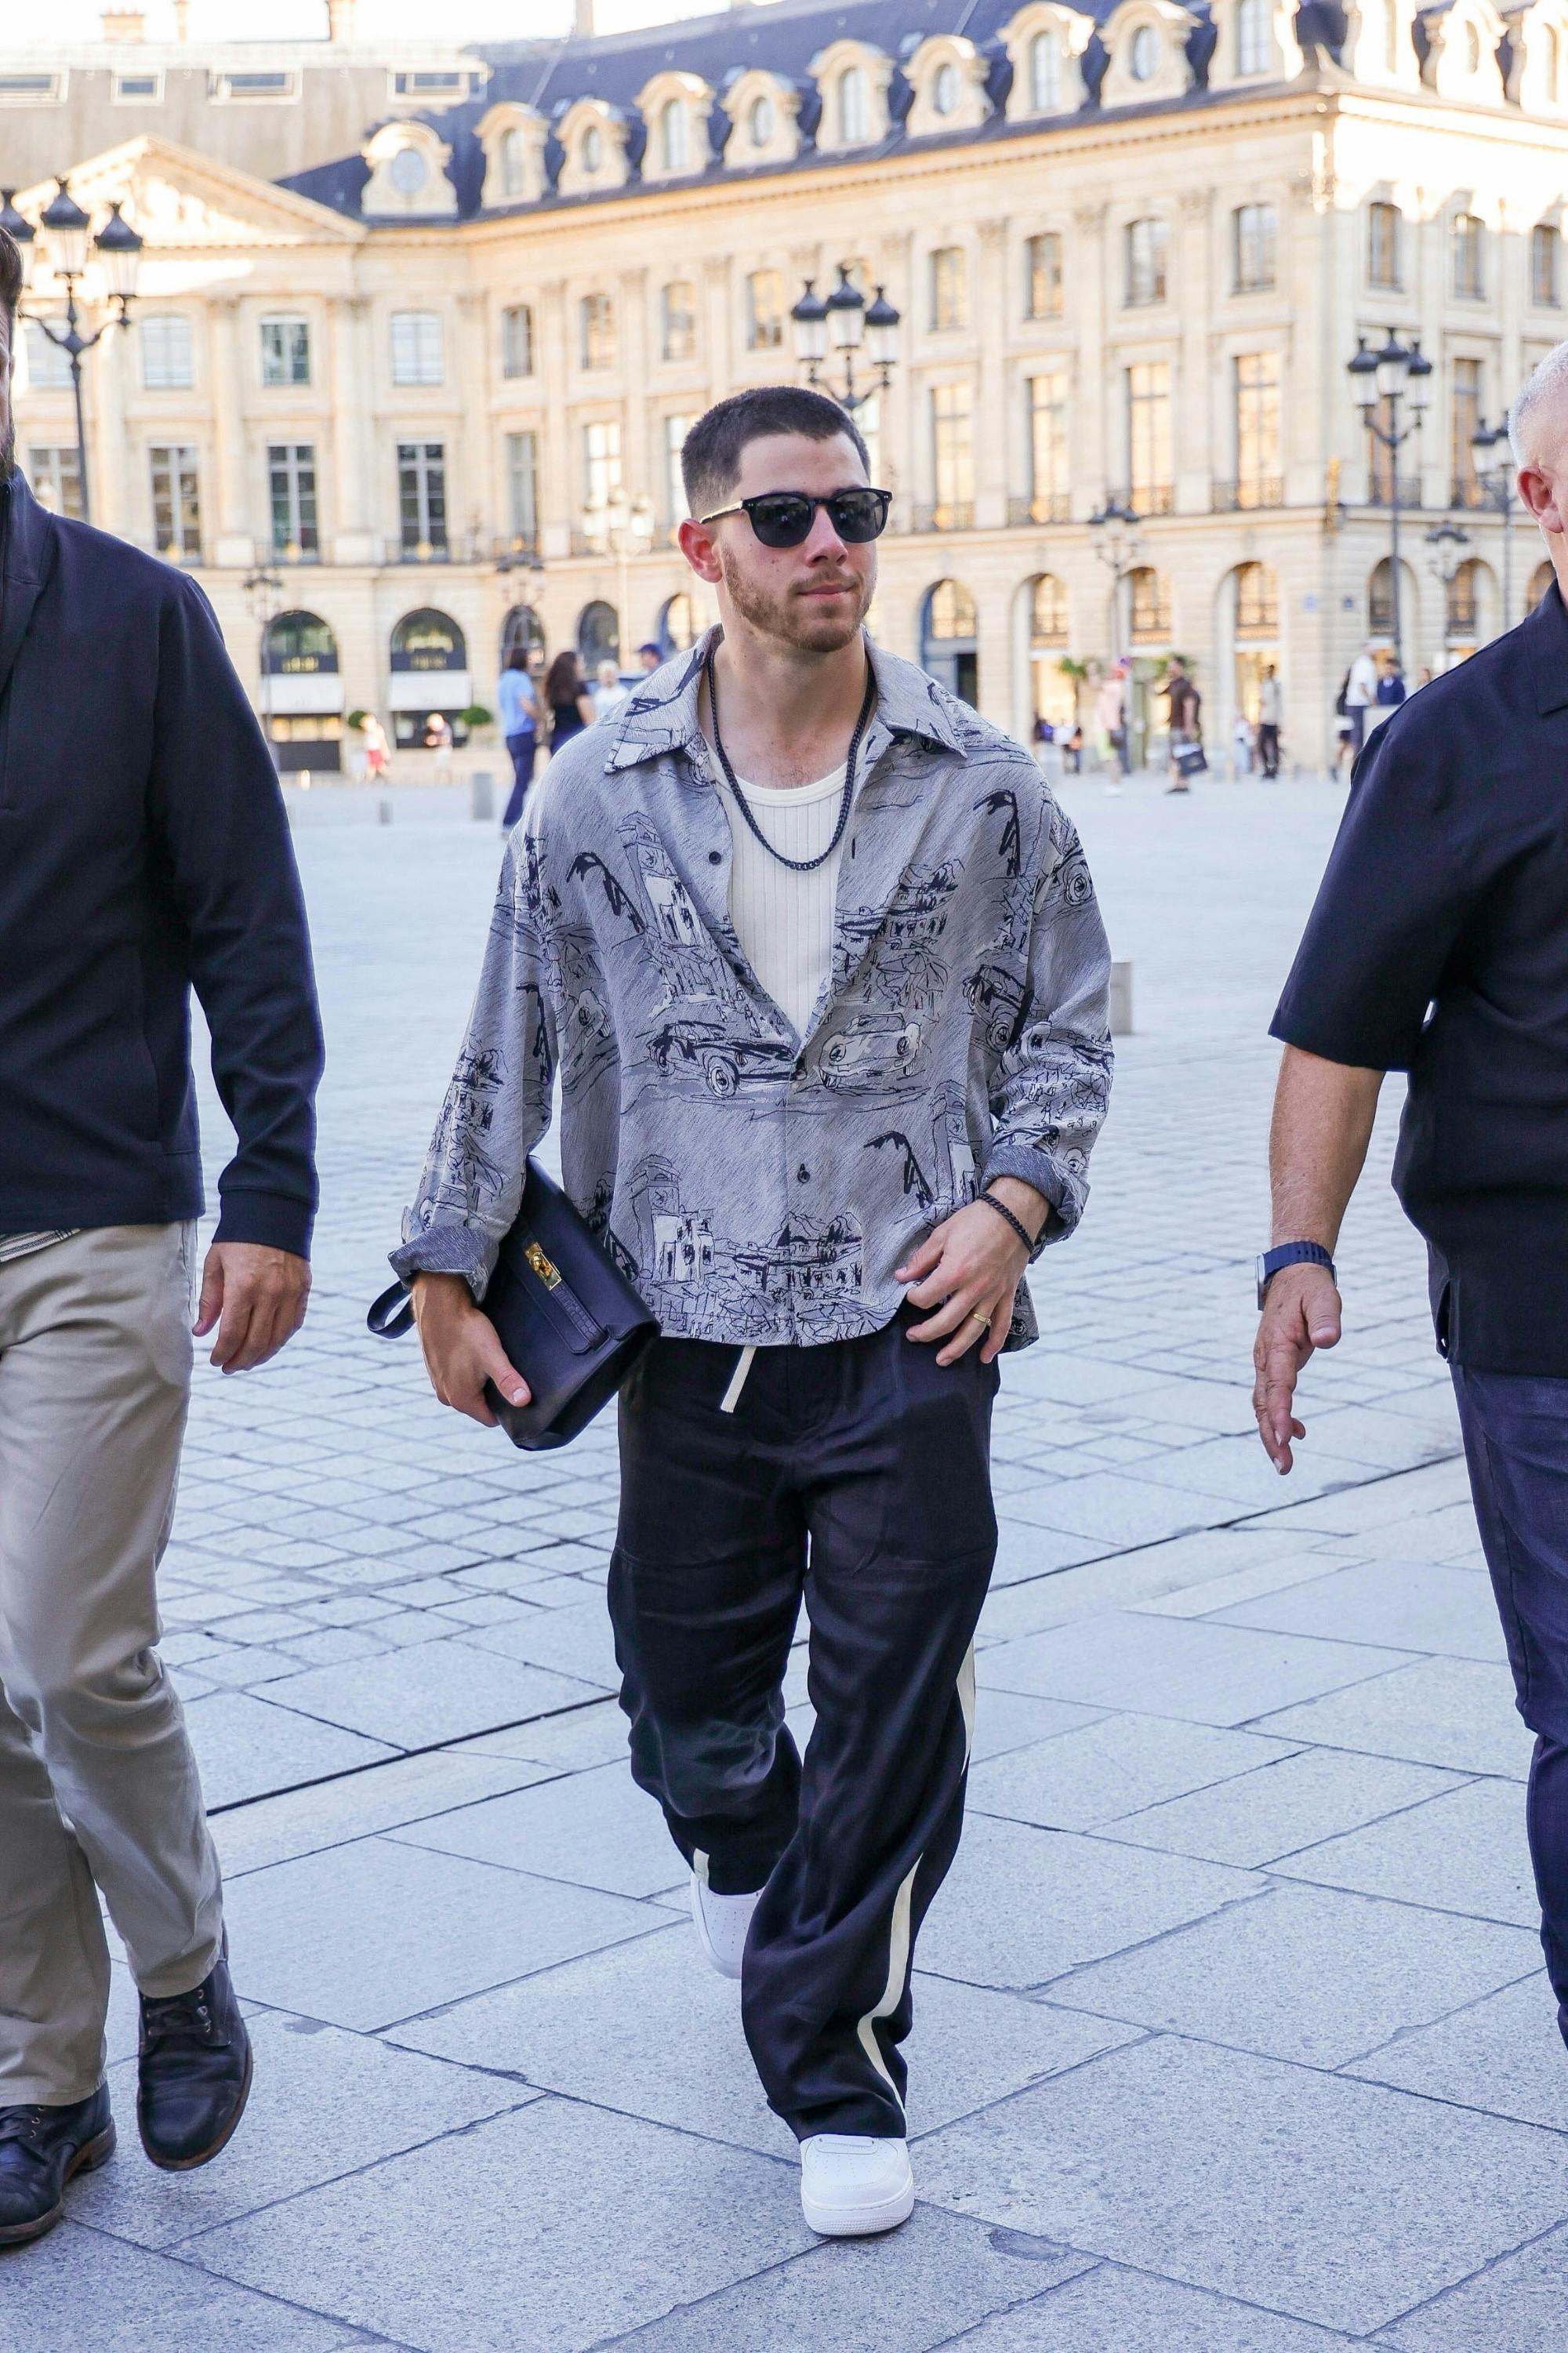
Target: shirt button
[(803, 1174), (715, 857)]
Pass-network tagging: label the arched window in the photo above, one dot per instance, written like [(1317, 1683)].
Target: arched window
[(1150, 606), (1049, 611), (428, 640), (298, 645), (947, 637), (1257, 601), (1380, 599), (1464, 600), (598, 635), (509, 158), (1143, 58), (1465, 238), (1541, 580), (677, 624), (853, 114), (522, 631), (1045, 73), (674, 135), (950, 610), (944, 87), (1252, 36)]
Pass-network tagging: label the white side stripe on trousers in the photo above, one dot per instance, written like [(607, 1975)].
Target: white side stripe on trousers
[(732, 1396), (899, 1928)]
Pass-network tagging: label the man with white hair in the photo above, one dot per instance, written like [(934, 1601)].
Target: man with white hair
[(1438, 946)]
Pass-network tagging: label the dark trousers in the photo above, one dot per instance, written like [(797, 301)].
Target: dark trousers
[(522, 748), (1269, 749), (1516, 1442), (855, 1475)]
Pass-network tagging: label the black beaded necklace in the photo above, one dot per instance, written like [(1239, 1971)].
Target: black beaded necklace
[(795, 865)]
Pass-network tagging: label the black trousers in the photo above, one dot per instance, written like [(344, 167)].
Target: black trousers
[(1269, 749), (855, 1475), (522, 748)]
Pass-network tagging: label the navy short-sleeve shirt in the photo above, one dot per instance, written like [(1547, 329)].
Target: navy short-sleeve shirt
[(1438, 944)]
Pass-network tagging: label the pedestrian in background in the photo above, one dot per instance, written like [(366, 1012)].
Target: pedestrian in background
[(1439, 946), (567, 701), (518, 708), (374, 735), (1359, 695), (649, 657), (438, 740), (1184, 705), (146, 851), (1270, 716), (1242, 744), (608, 693), (1392, 690)]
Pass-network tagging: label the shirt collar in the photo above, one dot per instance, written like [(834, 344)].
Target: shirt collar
[(662, 715)]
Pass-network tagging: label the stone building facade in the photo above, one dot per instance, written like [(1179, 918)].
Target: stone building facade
[(436, 382)]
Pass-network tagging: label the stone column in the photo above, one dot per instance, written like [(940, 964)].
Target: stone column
[(356, 439), (991, 320), (639, 462), (1096, 464), (718, 326), (561, 469), (475, 517), (1193, 449), (234, 540), (117, 465)]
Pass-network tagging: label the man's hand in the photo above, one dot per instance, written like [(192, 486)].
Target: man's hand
[(968, 1268), (462, 1351), (257, 1298), (1302, 1313)]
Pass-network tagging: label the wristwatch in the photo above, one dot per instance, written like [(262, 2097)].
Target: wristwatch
[(1286, 1254)]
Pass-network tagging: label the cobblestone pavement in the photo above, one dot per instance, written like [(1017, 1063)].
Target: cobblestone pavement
[(1231, 2034)]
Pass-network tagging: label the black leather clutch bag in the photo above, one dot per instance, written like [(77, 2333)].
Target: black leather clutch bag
[(566, 1316)]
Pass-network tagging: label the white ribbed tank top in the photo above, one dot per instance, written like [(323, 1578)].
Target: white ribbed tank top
[(784, 920)]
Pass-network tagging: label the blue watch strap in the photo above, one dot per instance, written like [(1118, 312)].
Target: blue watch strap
[(1286, 1254)]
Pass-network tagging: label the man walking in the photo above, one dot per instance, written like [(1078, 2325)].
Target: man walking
[(1270, 714), (1184, 705), (1439, 945), (517, 701), (1360, 693), (820, 963), (142, 850)]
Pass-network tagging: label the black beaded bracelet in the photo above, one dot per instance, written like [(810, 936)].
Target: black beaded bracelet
[(1029, 1241)]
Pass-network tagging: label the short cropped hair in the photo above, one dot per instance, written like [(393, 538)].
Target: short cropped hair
[(1544, 383), (710, 454), (10, 273)]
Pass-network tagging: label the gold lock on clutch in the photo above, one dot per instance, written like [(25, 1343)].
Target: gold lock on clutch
[(545, 1268)]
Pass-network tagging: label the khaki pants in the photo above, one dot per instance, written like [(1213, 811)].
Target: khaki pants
[(97, 1784)]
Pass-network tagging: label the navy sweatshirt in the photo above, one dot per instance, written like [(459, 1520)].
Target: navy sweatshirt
[(143, 852)]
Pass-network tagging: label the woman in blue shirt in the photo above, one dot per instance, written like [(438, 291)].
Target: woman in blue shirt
[(520, 726)]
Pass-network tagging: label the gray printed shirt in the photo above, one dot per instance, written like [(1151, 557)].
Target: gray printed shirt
[(759, 1185)]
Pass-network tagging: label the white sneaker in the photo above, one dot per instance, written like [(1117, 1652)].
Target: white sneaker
[(851, 2185), (721, 1922)]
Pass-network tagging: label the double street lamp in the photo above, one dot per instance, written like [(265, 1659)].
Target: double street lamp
[(1492, 454), (117, 250), (1116, 542), (846, 323), (623, 528), (1380, 381)]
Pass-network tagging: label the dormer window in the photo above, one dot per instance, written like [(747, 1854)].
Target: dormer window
[(1252, 36), (1045, 73), (511, 159), (675, 136), (761, 120), (852, 106), (1144, 57), (593, 148), (944, 88)]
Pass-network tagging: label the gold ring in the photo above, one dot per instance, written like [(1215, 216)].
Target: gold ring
[(977, 1317)]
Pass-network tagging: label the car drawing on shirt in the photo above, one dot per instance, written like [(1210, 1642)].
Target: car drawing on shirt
[(870, 1048), (1001, 997), (705, 1044)]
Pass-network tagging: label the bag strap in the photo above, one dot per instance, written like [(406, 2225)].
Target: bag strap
[(393, 1314)]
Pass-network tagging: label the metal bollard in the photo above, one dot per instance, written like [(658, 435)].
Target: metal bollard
[(483, 786), (1121, 1000), (383, 811)]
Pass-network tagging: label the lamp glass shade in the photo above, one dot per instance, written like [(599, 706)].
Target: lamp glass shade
[(845, 315), (882, 323), (119, 250), (1490, 451), (1363, 373), (19, 228), (65, 227), (1419, 386), (1393, 367), (810, 318)]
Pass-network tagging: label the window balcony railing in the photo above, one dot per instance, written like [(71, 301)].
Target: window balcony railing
[(1467, 490), (1380, 491), (1151, 498), (949, 514), (423, 551), (1240, 498), (290, 552), (1045, 506)]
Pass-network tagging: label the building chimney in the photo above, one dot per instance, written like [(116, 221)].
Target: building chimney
[(341, 19), (123, 24), (583, 26)]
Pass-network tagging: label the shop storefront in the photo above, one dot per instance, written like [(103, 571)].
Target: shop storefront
[(301, 696), (429, 676)]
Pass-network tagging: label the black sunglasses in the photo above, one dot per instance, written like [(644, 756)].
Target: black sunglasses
[(785, 518)]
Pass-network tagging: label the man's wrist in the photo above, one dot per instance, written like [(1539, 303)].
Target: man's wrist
[(1025, 1209), (1277, 1260)]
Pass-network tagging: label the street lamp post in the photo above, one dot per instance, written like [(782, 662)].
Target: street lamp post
[(118, 251), (1117, 545), (1493, 455), (622, 527), (1398, 372), (1448, 542), (264, 596), (851, 324)]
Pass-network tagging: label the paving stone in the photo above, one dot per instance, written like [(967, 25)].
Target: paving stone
[(595, 1829), (322, 2103), (1503, 2054), (1108, 2310), (1451, 1712), (1022, 1906), (405, 1790), (648, 2027), (1120, 1510), (910, 2291), (632, 2220), (1318, 1977), (1181, 1667), (79, 2289), (1515, 2306), (576, 1641), (1112, 1767), (365, 1933), (413, 1699), (245, 1746), (1447, 1610), (1024, 1551), (1306, 1795), (1237, 1472), (1466, 1852), (1315, 2195), (1005, 1720)]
